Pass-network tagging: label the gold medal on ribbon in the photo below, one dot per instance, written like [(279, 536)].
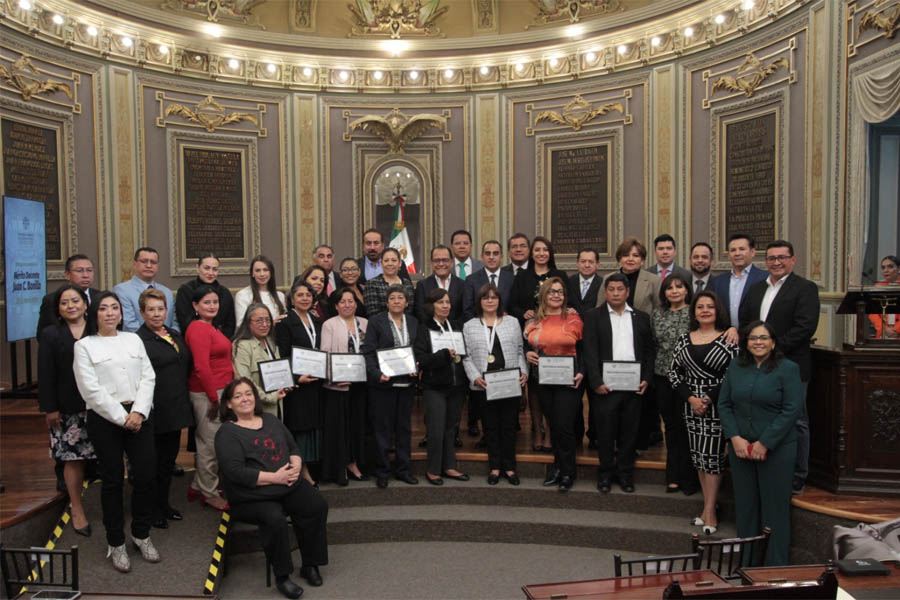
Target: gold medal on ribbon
[(491, 358), (457, 358)]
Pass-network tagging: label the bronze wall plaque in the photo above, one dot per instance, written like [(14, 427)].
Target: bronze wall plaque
[(579, 198), (750, 175), (213, 203), (31, 172)]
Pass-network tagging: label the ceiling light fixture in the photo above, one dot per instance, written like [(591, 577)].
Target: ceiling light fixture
[(58, 19), (126, 41), (484, 70), (91, 30), (520, 66), (554, 62), (688, 31), (655, 41), (163, 49), (748, 4), (343, 75), (414, 75), (213, 30), (590, 56), (448, 74), (573, 31), (307, 72), (623, 49), (24, 4), (395, 47), (271, 68), (719, 19), (378, 75)]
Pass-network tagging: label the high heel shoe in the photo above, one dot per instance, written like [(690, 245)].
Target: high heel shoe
[(709, 529), (225, 508), (697, 522), (83, 531), (361, 477), (193, 494)]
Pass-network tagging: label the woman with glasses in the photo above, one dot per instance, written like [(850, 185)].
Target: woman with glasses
[(698, 365), (262, 289), (349, 278), (253, 343), (554, 331), (759, 403)]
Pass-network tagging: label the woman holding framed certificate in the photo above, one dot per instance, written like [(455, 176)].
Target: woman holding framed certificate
[(303, 404), (344, 437), (439, 350), (254, 343), (390, 364), (699, 362), (494, 344), (553, 337)]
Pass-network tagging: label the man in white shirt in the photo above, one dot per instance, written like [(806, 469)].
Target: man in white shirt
[(664, 248), (701, 260), (519, 248), (616, 332), (145, 267), (463, 263), (323, 256)]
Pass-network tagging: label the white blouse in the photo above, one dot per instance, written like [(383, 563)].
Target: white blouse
[(244, 298)]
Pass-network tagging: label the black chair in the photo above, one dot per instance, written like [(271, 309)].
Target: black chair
[(725, 557), (240, 528), (651, 565), (38, 567)]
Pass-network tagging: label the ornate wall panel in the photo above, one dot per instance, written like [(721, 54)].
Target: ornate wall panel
[(311, 215), (664, 215), (817, 179), (872, 25), (489, 223), (130, 219)]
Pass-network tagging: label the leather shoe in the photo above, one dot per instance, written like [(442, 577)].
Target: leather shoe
[(177, 470), (84, 531), (627, 487), (288, 588), (461, 477), (434, 480), (407, 478), (512, 479), (161, 523), (174, 515), (603, 486), (312, 575), (565, 484), (493, 479), (553, 478), (457, 442), (424, 442), (382, 482)]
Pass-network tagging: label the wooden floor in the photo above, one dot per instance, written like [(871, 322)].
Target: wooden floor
[(26, 470)]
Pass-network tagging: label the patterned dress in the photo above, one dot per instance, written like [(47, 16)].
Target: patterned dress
[(697, 370)]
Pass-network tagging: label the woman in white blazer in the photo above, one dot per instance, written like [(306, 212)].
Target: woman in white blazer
[(116, 380)]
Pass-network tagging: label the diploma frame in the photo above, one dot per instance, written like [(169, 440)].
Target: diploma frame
[(342, 356), (622, 375), (318, 358), (506, 384), (403, 354), (275, 374), (555, 362), (460, 342)]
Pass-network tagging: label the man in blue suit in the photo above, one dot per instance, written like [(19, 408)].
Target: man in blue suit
[(732, 287), (492, 257)]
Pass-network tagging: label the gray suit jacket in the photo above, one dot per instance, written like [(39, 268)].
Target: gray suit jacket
[(510, 335), (646, 293)]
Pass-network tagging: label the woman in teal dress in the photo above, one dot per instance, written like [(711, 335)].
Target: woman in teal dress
[(760, 400)]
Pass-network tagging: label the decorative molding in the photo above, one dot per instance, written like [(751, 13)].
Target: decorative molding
[(303, 15), (663, 213), (129, 217), (487, 225), (883, 418), (393, 18), (817, 148), (396, 129), (867, 16), (558, 11), (485, 16), (752, 74), (313, 216), (208, 113), (235, 11), (577, 113), (24, 78), (880, 19)]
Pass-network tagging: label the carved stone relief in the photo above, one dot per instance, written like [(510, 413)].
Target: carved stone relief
[(396, 18), (215, 10), (884, 418)]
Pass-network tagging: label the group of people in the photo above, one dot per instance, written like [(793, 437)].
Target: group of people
[(723, 360)]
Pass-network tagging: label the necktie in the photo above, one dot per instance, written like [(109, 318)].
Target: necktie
[(462, 271), (698, 285), (663, 273), (584, 288), (494, 279)]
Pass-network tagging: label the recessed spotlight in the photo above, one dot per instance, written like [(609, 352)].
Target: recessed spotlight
[(622, 49), (271, 68), (413, 75), (655, 41), (520, 66), (748, 4), (233, 64), (126, 41), (719, 19), (163, 49), (554, 62), (448, 74), (574, 31), (24, 4), (590, 56), (91, 30), (395, 47), (484, 70), (378, 75), (58, 19), (197, 58), (213, 30), (307, 72), (688, 31), (343, 75)]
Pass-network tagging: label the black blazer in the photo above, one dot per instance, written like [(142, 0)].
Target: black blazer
[(380, 336), (597, 343), (361, 261), (439, 371), (457, 291), (794, 315), (47, 316), (172, 408), (573, 294), (302, 405), (184, 308), (57, 390), (523, 295), (479, 278)]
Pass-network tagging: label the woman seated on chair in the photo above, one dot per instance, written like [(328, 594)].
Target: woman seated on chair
[(259, 463)]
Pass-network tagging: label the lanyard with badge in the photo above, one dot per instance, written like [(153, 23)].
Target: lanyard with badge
[(403, 336), (449, 330), (490, 334), (310, 331)]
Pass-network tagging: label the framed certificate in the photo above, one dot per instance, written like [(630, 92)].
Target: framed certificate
[(622, 375), (347, 368), (275, 374), (306, 361), (556, 370), (503, 384), (394, 362), (439, 341)]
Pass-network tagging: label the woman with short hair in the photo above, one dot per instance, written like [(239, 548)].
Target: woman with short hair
[(377, 287)]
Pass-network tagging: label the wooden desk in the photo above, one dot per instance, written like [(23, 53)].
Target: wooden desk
[(761, 575), (637, 586)]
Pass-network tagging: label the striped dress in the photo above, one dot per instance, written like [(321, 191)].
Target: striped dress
[(698, 370)]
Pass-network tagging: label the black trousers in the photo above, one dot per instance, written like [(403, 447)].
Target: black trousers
[(111, 443), (309, 514), (500, 420), (476, 410), (167, 446), (559, 404), (344, 432), (679, 468), (616, 420), (392, 418), (442, 408), (649, 419)]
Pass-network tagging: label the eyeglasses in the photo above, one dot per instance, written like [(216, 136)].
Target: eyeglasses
[(262, 321), (349, 269), (556, 292), (777, 259), (759, 338)]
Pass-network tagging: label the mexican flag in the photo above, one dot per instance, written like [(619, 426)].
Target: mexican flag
[(400, 237)]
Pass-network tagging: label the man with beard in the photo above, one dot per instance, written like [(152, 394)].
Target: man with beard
[(701, 259), (370, 264)]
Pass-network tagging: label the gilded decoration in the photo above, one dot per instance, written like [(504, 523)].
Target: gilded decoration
[(880, 19), (556, 11), (484, 16), (236, 11), (396, 129), (394, 18), (25, 79), (209, 114), (303, 15), (753, 74), (577, 113)]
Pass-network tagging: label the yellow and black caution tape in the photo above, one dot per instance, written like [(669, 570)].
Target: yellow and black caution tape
[(218, 555)]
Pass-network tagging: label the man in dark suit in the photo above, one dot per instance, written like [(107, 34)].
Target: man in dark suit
[(519, 249), (664, 248), (584, 285), (370, 264), (491, 257), (616, 332), (790, 304), (79, 270), (701, 261), (463, 263), (732, 287), (441, 261)]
